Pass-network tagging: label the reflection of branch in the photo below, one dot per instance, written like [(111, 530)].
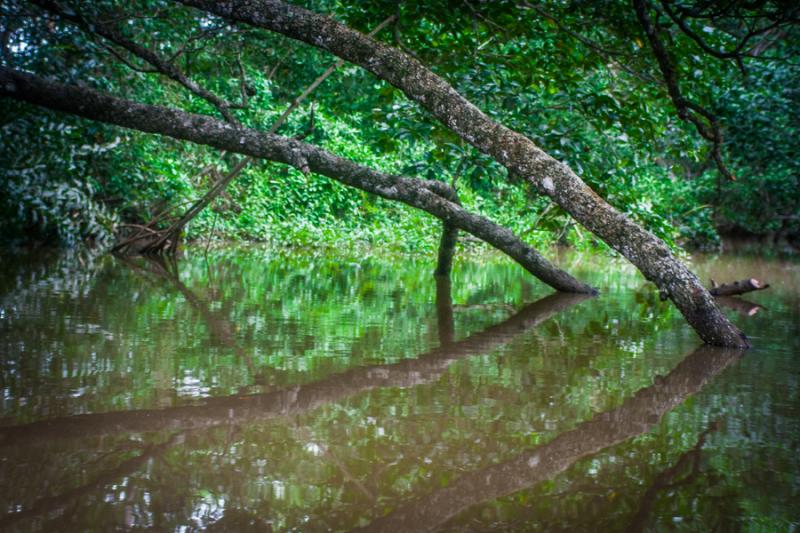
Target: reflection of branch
[(346, 474), (634, 417), (484, 307), (740, 305), (219, 327), (668, 479), (51, 505), (297, 399)]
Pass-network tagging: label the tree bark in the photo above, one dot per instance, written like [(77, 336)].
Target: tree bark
[(515, 151), (449, 238), (447, 249), (427, 195)]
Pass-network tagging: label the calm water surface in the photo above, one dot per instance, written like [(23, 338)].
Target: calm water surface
[(265, 391)]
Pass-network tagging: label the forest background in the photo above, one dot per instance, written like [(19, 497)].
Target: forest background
[(576, 77)]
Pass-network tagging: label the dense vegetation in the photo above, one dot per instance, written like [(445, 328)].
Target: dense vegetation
[(577, 77)]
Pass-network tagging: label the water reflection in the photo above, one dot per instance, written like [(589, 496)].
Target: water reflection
[(239, 408), (166, 269), (670, 479), (740, 305), (634, 417), (254, 391)]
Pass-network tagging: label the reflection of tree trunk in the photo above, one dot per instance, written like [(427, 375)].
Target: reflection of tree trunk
[(57, 504), (297, 399), (668, 480), (427, 195), (634, 417), (444, 311)]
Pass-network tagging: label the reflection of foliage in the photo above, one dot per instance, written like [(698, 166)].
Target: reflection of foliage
[(118, 339)]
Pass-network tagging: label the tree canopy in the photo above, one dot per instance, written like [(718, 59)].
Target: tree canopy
[(579, 78)]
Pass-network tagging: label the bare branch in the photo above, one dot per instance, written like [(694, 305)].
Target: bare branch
[(737, 51), (126, 62)]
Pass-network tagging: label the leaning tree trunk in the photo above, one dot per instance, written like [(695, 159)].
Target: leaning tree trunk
[(515, 151), (427, 195)]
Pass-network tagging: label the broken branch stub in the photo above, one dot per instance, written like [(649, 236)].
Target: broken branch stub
[(737, 287)]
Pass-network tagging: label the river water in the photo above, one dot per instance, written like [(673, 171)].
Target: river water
[(254, 390)]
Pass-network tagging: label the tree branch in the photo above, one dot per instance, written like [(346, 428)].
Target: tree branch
[(160, 64), (205, 130), (517, 153), (611, 56), (704, 121)]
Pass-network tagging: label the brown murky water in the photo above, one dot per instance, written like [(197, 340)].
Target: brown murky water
[(252, 390)]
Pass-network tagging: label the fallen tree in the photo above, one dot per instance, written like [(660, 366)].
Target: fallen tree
[(521, 156), (431, 196)]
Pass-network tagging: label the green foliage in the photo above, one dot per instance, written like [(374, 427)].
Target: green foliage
[(764, 121), (597, 107), (49, 194)]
